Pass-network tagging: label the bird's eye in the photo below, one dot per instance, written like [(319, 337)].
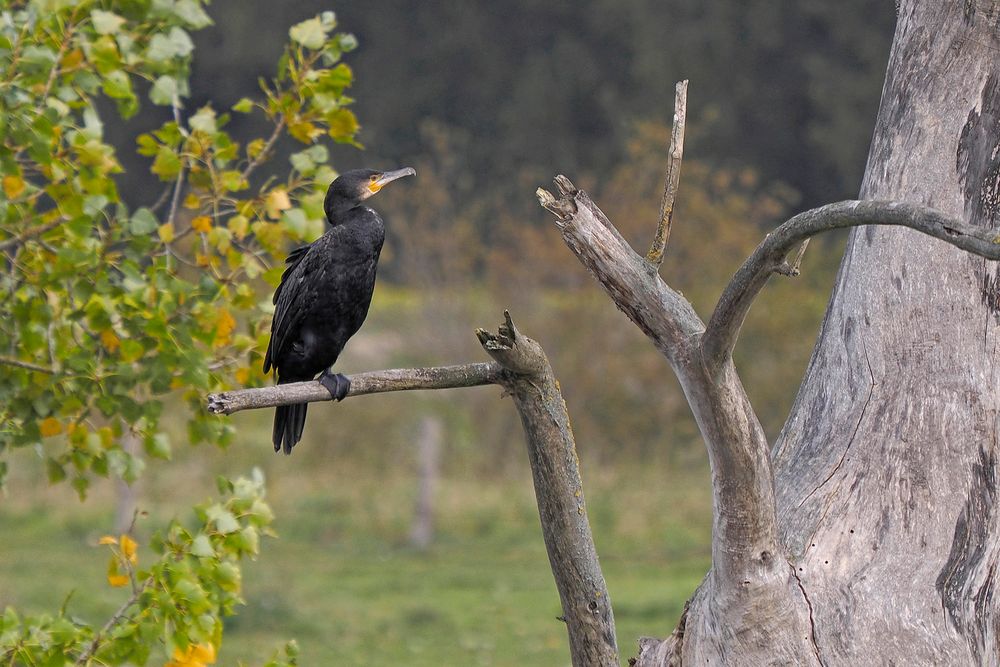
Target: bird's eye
[(373, 178)]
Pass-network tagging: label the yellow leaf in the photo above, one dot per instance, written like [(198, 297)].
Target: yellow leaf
[(13, 186), (128, 548), (192, 201), (238, 225), (343, 124), (195, 655), (107, 539), (166, 232), (304, 131), (110, 340), (255, 148), (72, 59), (202, 223), (242, 375), (50, 426), (118, 580), (224, 326), (277, 201)]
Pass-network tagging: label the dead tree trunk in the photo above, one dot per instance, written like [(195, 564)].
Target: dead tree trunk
[(886, 469), (880, 542)]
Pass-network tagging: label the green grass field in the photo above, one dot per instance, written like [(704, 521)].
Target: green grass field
[(341, 577)]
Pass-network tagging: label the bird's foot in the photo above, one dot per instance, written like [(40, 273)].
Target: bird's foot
[(336, 383)]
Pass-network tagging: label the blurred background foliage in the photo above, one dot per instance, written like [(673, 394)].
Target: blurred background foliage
[(487, 102)]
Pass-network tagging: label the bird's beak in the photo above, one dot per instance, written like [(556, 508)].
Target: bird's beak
[(388, 177)]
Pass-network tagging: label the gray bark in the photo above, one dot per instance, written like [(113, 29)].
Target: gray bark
[(372, 382), (886, 469)]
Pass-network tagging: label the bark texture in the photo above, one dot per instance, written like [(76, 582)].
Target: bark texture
[(886, 469)]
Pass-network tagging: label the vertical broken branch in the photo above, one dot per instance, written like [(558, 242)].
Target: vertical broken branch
[(673, 178), (555, 469)]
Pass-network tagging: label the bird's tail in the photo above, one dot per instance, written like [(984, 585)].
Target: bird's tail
[(289, 420)]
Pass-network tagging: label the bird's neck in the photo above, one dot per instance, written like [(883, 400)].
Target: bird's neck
[(337, 209)]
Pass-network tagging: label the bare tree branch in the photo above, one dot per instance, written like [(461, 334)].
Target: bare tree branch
[(373, 382), (769, 257), (521, 367), (673, 178), (660, 312), (748, 563)]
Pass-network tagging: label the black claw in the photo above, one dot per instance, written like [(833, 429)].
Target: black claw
[(337, 384)]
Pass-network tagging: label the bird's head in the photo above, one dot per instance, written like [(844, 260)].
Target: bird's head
[(353, 187)]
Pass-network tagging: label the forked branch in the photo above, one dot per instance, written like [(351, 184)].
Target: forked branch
[(770, 257)]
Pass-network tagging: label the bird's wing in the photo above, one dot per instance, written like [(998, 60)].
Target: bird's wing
[(283, 300)]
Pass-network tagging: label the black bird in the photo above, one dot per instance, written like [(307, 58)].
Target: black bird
[(324, 295)]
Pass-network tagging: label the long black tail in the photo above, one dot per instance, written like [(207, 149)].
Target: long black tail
[(289, 420)]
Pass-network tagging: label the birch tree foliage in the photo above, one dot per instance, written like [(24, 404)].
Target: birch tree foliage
[(112, 307), (121, 309)]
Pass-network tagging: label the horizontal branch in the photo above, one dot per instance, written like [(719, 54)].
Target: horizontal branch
[(724, 327), (371, 382), (27, 365)]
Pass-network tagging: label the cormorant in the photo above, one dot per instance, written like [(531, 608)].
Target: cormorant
[(324, 295)]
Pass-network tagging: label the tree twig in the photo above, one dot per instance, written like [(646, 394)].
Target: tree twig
[(372, 382), (84, 659), (30, 234), (673, 178), (792, 270), (724, 326), (257, 161), (27, 365)]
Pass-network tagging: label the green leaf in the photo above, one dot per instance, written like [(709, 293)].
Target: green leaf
[(159, 446), (143, 222), (204, 120), (201, 546), (117, 85), (167, 163), (245, 105), (106, 23), (192, 14), (223, 519), (164, 90), (310, 34), (175, 44)]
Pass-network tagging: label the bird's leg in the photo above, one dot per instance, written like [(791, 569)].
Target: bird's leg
[(336, 383)]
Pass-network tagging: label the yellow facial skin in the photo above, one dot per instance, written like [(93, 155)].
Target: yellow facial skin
[(374, 185)]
